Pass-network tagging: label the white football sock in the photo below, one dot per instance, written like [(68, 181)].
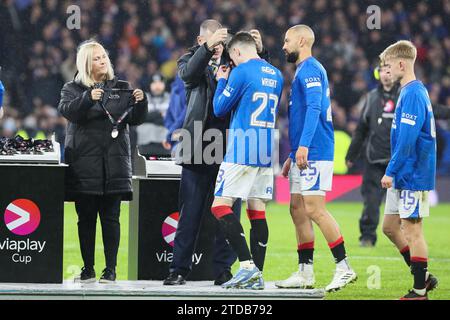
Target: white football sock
[(248, 265), (343, 265), (421, 292), (306, 267)]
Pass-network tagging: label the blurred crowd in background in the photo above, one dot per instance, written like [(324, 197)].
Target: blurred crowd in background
[(145, 38)]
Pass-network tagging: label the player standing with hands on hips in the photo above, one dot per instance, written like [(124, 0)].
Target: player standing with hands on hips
[(310, 164), (252, 92), (411, 172)]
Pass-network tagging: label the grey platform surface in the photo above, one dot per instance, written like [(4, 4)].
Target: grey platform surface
[(148, 290)]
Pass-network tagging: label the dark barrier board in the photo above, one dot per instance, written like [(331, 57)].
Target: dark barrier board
[(31, 224), (153, 221)]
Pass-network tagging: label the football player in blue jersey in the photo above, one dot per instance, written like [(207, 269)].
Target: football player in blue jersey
[(310, 164), (411, 172), (251, 92)]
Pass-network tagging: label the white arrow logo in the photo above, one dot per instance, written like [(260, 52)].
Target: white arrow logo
[(174, 223), (24, 217)]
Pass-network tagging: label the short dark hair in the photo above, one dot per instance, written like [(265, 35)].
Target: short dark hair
[(242, 37), (210, 25)]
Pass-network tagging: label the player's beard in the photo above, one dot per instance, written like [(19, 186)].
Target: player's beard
[(292, 57)]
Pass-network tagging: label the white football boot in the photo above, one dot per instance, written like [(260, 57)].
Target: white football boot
[(302, 279), (342, 277)]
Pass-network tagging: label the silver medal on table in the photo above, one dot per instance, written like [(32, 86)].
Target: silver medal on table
[(115, 133)]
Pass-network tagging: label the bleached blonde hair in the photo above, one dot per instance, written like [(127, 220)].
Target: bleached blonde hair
[(402, 49), (84, 63)]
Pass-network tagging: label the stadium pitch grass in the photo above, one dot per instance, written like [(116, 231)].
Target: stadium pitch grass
[(382, 273)]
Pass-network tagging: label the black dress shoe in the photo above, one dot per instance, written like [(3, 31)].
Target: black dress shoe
[(174, 279), (431, 283), (366, 243), (108, 276), (412, 295), (87, 275), (223, 277)]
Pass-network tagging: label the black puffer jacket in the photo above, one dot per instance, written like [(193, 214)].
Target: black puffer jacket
[(98, 164), (374, 127)]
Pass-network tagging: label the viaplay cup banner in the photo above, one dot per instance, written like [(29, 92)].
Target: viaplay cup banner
[(154, 223), (31, 223), (22, 217)]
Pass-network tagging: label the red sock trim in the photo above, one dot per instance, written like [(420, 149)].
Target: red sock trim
[(221, 211), (256, 215), (419, 259), (307, 245), (405, 249), (336, 243)]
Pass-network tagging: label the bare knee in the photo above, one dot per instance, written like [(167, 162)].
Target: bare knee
[(295, 208), (298, 216), (391, 226), (300, 219), (412, 230), (315, 213), (389, 230), (296, 204)]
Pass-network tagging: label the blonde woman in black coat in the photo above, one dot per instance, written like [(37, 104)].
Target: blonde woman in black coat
[(99, 108)]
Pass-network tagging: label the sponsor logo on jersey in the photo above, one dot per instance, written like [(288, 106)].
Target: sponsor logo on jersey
[(408, 119), (313, 84), (312, 79), (268, 70), (228, 91)]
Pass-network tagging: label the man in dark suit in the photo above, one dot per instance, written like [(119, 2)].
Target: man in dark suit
[(197, 68)]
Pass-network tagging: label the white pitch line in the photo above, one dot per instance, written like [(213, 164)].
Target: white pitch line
[(368, 257), (394, 258)]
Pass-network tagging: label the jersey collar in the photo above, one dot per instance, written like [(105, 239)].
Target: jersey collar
[(411, 82)]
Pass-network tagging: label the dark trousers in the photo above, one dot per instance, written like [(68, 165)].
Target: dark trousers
[(372, 194), (195, 199), (108, 206)]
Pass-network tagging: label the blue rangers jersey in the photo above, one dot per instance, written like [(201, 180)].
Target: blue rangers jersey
[(413, 140), (252, 92), (310, 117)]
